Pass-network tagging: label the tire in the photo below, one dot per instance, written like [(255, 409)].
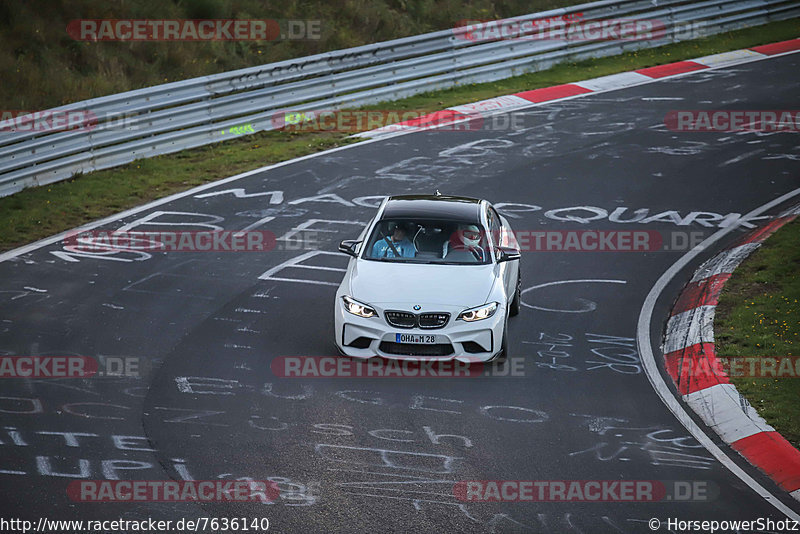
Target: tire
[(515, 302)]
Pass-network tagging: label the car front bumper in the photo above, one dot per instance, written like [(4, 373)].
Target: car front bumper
[(477, 341)]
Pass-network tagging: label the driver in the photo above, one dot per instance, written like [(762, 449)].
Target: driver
[(466, 239), (396, 245)]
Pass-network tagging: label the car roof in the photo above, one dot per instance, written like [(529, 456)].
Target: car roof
[(465, 209)]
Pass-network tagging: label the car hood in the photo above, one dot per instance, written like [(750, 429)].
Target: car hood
[(386, 283)]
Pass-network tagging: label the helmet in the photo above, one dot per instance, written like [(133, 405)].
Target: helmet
[(469, 235)]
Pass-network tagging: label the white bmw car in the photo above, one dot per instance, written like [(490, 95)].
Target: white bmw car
[(431, 277)]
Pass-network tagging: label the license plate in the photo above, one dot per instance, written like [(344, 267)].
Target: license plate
[(419, 339)]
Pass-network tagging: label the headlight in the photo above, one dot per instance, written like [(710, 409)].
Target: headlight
[(358, 308), (481, 312)]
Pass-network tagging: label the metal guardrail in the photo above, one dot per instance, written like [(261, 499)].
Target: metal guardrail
[(172, 117)]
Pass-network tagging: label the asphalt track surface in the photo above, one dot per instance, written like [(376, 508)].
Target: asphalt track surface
[(366, 455)]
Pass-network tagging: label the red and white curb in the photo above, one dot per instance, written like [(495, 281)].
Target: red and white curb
[(689, 346), (604, 83)]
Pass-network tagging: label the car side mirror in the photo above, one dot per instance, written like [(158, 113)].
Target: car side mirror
[(349, 246), (507, 254)]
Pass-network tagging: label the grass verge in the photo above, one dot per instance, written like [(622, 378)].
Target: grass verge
[(759, 315), (39, 212)]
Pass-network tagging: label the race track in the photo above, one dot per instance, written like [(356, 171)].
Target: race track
[(373, 455)]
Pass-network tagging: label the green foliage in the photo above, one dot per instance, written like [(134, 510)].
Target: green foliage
[(759, 315), (43, 67)]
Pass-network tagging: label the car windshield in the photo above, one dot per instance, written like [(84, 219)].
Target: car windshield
[(428, 241)]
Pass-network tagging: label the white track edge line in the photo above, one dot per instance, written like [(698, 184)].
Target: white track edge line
[(644, 343), (181, 194)]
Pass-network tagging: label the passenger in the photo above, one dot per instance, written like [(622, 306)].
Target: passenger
[(399, 243)]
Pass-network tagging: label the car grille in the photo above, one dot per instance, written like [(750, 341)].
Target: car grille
[(402, 319), (410, 349), (433, 320)]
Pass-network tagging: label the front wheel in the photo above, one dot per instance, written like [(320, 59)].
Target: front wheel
[(515, 302)]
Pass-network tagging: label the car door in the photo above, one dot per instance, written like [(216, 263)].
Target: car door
[(502, 237), (510, 241)]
